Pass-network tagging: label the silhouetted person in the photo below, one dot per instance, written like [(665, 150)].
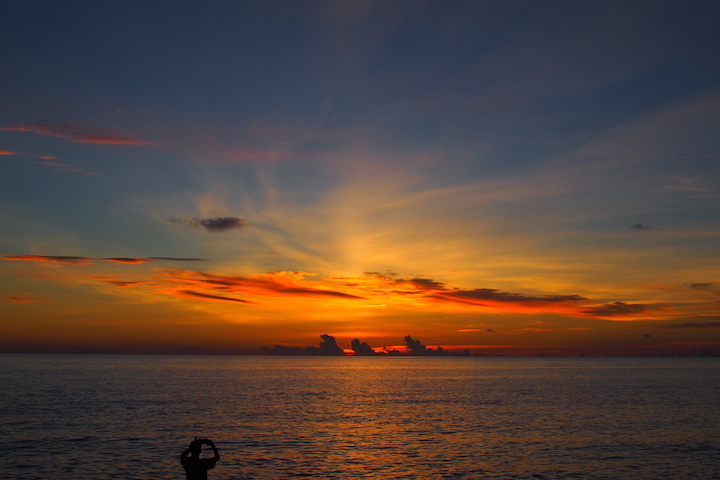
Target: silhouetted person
[(195, 467)]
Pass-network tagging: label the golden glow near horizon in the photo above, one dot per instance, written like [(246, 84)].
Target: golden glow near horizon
[(516, 190)]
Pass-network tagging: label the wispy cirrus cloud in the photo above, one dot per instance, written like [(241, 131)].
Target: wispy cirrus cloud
[(78, 133), (70, 260), (16, 300), (65, 260), (50, 161), (179, 259), (63, 167), (215, 225)]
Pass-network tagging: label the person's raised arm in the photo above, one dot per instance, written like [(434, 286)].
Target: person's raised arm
[(184, 455), (215, 450)]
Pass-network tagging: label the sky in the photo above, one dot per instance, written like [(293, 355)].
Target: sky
[(510, 177)]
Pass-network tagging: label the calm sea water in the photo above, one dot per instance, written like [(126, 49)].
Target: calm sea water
[(129, 417)]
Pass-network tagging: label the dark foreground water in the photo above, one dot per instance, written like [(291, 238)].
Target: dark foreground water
[(129, 417)]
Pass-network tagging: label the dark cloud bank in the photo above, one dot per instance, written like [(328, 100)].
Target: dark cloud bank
[(329, 347)]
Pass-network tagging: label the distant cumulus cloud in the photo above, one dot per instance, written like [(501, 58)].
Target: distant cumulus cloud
[(640, 226), (219, 224), (78, 133)]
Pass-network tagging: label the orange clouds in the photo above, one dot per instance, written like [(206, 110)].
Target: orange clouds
[(78, 133), (7, 152), (276, 284), (490, 300), (384, 291)]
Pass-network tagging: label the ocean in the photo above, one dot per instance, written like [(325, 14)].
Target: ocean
[(129, 417)]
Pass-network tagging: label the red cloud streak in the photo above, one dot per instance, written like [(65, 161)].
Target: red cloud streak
[(78, 133)]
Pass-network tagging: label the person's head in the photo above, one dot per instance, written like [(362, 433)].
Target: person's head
[(195, 448)]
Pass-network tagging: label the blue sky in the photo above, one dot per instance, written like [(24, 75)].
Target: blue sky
[(543, 151)]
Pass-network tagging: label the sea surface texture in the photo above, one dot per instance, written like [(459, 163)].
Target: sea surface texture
[(129, 417)]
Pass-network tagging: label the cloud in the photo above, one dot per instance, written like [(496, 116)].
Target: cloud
[(415, 347), (126, 260), (64, 167), (329, 346), (176, 259), (125, 283), (214, 298), (497, 300), (7, 152), (361, 348), (700, 286), (219, 224), (412, 285), (67, 260), (267, 285), (53, 164), (622, 309), (715, 325), (14, 300), (512, 302), (78, 133), (50, 259), (640, 226)]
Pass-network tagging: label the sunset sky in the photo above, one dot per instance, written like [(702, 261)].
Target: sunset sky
[(511, 177)]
